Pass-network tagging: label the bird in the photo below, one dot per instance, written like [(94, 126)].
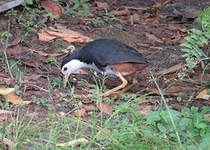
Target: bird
[(107, 56)]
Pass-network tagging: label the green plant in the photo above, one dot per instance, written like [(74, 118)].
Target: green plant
[(15, 67), (81, 4), (196, 39), (192, 126), (5, 46)]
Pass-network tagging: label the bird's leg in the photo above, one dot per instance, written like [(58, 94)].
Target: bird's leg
[(124, 83), (134, 82)]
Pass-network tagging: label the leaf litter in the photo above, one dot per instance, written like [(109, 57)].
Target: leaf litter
[(147, 23)]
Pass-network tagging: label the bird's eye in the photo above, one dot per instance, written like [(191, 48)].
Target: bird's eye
[(65, 68)]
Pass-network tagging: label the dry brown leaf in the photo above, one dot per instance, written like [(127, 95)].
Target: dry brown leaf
[(148, 20), (80, 112), (73, 143), (169, 91), (104, 108), (47, 55), (5, 91), (203, 95), (176, 107), (14, 50), (7, 81), (83, 96), (152, 37), (44, 36), (173, 89), (31, 64), (16, 41), (102, 5), (176, 27), (65, 34), (158, 5), (173, 69), (52, 7), (89, 107), (145, 110), (32, 77), (14, 99), (8, 143), (120, 12)]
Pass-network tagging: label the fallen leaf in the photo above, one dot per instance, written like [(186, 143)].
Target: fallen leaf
[(52, 7), (7, 81), (172, 69), (80, 112), (16, 41), (203, 95), (73, 143), (176, 27), (145, 110), (157, 5), (120, 12), (8, 143), (6, 91), (32, 77), (176, 107), (44, 36), (14, 50), (31, 64), (89, 107), (47, 55), (65, 34), (148, 20), (82, 96), (173, 89), (14, 99), (104, 108), (102, 5), (152, 37)]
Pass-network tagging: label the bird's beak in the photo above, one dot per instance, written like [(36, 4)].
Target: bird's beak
[(65, 79)]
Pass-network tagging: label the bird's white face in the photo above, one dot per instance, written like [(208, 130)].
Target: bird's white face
[(72, 66)]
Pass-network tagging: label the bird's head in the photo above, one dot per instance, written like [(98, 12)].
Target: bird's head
[(70, 66)]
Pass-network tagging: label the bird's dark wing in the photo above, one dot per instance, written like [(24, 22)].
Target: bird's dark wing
[(106, 51)]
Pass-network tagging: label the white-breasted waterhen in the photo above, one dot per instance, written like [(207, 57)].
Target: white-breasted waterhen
[(107, 56)]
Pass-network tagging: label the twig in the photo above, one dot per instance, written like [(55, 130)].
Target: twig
[(41, 89)]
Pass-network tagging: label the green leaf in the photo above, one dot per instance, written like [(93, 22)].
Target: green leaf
[(136, 16), (161, 127), (201, 125), (207, 34), (188, 45), (76, 3), (52, 59), (153, 117), (196, 31)]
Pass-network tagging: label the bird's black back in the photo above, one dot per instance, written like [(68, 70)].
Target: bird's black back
[(103, 52)]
